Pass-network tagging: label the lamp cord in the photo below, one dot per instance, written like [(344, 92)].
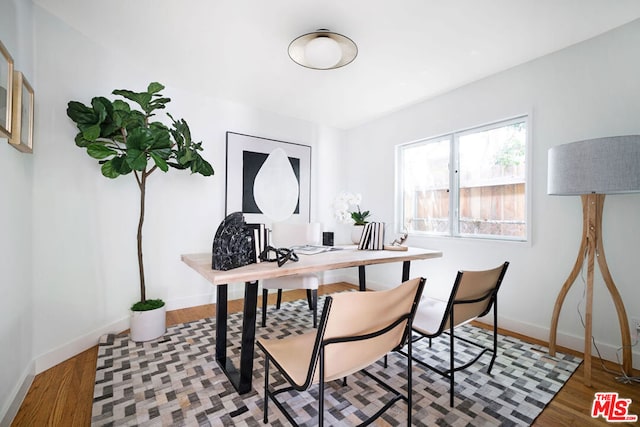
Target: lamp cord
[(623, 378)]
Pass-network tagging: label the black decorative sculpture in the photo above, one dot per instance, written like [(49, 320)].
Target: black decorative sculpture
[(233, 244)]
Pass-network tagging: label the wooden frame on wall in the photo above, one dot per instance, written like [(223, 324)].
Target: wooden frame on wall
[(246, 159), (6, 91), (23, 106)]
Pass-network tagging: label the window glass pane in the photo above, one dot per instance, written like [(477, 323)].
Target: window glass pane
[(492, 175), (486, 194), (425, 186)]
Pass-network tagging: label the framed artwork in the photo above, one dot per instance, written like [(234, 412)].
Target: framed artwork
[(6, 91), (267, 180), (23, 105)]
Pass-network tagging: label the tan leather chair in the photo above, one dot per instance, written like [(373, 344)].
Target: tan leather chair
[(356, 329), (473, 295), (285, 235)]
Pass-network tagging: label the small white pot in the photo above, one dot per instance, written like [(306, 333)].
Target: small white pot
[(356, 233), (148, 325)]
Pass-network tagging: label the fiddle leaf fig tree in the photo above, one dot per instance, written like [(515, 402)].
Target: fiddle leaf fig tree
[(125, 140)]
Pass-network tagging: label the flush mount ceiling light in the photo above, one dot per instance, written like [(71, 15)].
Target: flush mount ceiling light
[(323, 50)]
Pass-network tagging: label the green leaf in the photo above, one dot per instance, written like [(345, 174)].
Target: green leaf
[(108, 170), (177, 137), (158, 126), (80, 113), (159, 161), (120, 105), (102, 106), (201, 166), (206, 169), (154, 87), (90, 132), (80, 141), (110, 130), (165, 153), (132, 119), (182, 129), (185, 156), (158, 103), (100, 151), (177, 165), (161, 138), (140, 138), (120, 165), (109, 123), (137, 159)]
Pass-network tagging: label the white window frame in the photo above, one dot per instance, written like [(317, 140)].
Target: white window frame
[(454, 188)]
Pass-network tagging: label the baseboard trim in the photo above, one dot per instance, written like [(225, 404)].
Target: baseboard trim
[(77, 346), (573, 342), (17, 396)]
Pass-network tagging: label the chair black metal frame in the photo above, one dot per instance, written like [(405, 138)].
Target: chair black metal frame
[(318, 361), (452, 303)]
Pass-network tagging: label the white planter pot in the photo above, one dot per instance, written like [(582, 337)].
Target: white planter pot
[(356, 233), (148, 325)]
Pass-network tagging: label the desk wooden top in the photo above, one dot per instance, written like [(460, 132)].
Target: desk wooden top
[(346, 257)]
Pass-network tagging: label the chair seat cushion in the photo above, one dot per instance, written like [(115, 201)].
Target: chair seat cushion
[(299, 281), (429, 315), (292, 353)]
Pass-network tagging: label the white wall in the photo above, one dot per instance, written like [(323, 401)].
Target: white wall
[(16, 215), (85, 265), (586, 91)]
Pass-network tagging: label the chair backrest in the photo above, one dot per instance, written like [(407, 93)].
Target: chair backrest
[(285, 234), (358, 328), (473, 295)]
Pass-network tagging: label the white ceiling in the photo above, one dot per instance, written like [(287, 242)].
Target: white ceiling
[(409, 50)]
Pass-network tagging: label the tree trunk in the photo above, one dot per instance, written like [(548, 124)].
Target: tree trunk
[(143, 183)]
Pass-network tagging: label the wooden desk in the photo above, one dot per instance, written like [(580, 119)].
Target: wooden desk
[(252, 273)]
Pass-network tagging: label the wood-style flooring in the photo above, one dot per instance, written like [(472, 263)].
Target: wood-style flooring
[(62, 395)]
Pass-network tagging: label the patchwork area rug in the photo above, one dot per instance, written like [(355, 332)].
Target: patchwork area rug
[(176, 381)]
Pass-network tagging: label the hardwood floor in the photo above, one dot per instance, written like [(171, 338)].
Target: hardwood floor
[(62, 395)]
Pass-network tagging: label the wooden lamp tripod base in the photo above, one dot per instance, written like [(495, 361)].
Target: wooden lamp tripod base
[(591, 247)]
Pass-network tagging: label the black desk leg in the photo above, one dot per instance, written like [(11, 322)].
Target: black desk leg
[(221, 324), (248, 336), (406, 266), (241, 379)]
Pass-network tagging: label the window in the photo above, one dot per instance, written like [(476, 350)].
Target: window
[(466, 184)]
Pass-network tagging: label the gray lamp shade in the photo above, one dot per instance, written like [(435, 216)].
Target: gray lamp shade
[(603, 166)]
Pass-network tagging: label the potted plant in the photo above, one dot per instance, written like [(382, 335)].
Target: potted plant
[(343, 213), (126, 141)]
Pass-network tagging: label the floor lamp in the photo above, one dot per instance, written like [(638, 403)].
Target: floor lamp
[(592, 169)]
